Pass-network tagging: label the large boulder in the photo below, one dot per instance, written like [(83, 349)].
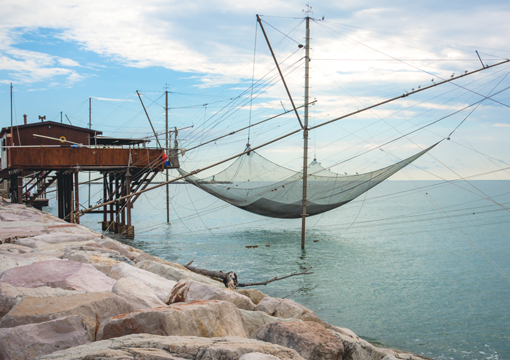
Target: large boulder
[(26, 342), (9, 261), (139, 295), (253, 320), (25, 214), (11, 295), (10, 232), (311, 340), (356, 348), (161, 286), (125, 250), (286, 309), (176, 273), (136, 346), (9, 249), (258, 356), (253, 294), (63, 274), (93, 308), (201, 318), (55, 238), (98, 256), (188, 291)]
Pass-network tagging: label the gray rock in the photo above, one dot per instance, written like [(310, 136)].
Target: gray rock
[(26, 342), (187, 347)]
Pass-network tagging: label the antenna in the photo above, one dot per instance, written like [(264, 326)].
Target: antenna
[(308, 10)]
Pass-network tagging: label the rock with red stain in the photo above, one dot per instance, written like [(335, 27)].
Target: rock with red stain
[(200, 318), (69, 275), (93, 308), (32, 340), (189, 290), (311, 340)]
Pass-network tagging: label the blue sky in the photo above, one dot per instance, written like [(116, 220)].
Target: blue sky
[(60, 54)]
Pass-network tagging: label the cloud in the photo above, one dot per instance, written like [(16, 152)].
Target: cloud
[(214, 40), (501, 125), (112, 100)]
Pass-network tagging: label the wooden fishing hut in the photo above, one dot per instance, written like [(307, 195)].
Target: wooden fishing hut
[(45, 153)]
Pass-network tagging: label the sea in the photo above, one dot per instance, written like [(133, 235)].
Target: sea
[(420, 266)]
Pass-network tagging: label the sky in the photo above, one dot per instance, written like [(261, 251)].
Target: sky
[(212, 59)]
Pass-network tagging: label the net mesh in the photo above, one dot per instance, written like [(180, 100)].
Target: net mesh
[(258, 185)]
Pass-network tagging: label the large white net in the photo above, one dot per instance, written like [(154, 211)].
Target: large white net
[(258, 185)]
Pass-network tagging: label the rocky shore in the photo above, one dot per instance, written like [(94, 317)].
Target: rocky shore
[(67, 292)]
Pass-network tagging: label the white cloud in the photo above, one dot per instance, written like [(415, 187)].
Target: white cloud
[(112, 100)]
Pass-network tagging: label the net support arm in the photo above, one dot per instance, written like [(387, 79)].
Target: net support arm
[(279, 70)]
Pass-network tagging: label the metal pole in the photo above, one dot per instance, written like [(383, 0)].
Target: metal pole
[(305, 133)]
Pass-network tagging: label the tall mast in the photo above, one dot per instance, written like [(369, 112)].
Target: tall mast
[(166, 150), (12, 134), (90, 127), (305, 132)]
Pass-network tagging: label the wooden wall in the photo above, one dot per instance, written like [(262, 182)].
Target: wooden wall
[(25, 136), (67, 157)]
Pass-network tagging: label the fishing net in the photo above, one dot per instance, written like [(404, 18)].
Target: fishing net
[(256, 184)]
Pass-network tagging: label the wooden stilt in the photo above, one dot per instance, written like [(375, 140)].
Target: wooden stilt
[(111, 225), (20, 188), (104, 225), (76, 206)]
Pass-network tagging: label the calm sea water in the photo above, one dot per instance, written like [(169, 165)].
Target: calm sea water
[(410, 265)]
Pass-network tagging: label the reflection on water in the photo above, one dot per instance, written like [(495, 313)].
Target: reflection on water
[(396, 267)]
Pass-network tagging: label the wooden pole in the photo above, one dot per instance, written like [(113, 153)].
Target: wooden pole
[(168, 154), (305, 133), (128, 203), (105, 199), (111, 200), (90, 127), (76, 197), (279, 71)]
